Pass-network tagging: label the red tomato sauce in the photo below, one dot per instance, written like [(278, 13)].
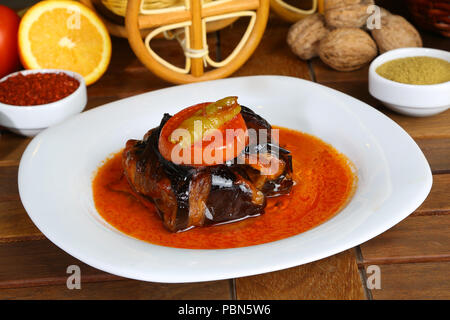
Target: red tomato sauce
[(324, 182)]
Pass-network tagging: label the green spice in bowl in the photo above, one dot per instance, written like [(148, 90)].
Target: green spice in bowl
[(412, 81), (420, 70)]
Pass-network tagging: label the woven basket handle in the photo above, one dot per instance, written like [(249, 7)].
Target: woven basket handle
[(193, 20), (291, 13)]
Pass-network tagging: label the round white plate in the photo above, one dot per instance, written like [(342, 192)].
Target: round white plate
[(58, 165)]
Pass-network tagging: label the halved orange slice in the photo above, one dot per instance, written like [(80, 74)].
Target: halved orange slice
[(64, 35)]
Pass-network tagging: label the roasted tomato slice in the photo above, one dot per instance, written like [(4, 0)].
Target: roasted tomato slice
[(205, 134)]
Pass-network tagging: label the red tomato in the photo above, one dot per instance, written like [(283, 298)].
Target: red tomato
[(228, 150), (9, 55)]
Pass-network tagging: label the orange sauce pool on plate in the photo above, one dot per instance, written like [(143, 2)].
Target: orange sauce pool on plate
[(324, 182)]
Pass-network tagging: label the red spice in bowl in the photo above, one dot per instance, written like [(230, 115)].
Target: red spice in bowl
[(36, 88)]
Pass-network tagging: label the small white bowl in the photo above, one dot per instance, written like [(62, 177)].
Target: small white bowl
[(408, 99), (30, 120)]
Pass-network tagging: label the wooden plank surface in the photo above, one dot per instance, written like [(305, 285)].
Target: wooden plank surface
[(39, 262), (272, 57), (413, 255), (438, 201), (336, 277), (123, 290), (437, 152), (15, 225), (421, 281), (415, 239), (11, 148), (8, 183)]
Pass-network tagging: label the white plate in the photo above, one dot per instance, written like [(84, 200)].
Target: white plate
[(57, 168)]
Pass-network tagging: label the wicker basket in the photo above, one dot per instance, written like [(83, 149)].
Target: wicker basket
[(188, 22), (431, 15), (119, 7)]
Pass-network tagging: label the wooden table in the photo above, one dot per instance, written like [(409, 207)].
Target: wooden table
[(413, 256)]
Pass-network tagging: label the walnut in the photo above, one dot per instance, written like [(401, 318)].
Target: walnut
[(374, 21), (396, 32), (304, 36), (384, 12), (347, 49), (348, 14), (333, 4)]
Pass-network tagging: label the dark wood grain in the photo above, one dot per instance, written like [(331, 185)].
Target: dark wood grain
[(272, 57), (123, 290), (437, 152), (15, 225), (415, 239), (410, 281), (39, 262), (8, 183), (438, 201), (11, 148), (324, 74), (336, 277)]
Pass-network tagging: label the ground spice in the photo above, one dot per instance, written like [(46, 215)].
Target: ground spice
[(416, 70), (36, 88)]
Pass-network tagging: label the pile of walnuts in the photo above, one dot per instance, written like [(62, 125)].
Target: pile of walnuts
[(340, 36)]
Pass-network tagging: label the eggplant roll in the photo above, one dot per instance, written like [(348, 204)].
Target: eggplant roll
[(187, 196)]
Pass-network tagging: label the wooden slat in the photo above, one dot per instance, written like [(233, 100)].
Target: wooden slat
[(123, 60), (271, 57), (15, 225), (414, 281), (437, 152), (336, 277), (419, 128), (415, 239), (436, 126), (324, 74), (99, 101), (132, 83), (11, 148), (40, 262), (8, 183), (123, 290), (438, 199)]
